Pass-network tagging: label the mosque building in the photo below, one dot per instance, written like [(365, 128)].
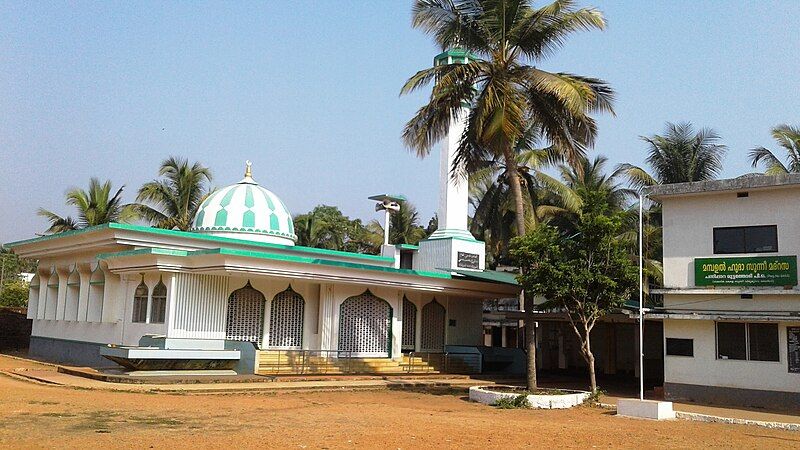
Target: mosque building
[(235, 292)]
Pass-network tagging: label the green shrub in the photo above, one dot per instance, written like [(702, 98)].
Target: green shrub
[(14, 293), (520, 401)]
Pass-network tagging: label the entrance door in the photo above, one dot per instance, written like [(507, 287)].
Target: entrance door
[(245, 318), (433, 316), (409, 325), (286, 320), (365, 326)]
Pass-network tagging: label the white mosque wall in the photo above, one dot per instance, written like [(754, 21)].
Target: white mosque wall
[(78, 300), (197, 308), (331, 301), (464, 321)]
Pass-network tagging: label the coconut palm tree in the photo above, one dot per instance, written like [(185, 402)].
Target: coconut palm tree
[(590, 175), (175, 197), (680, 155), (504, 91), (95, 206), (495, 210), (787, 137)]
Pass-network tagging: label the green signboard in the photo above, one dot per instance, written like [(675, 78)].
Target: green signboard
[(751, 271)]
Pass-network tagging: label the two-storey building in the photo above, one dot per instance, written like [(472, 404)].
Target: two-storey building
[(731, 308)]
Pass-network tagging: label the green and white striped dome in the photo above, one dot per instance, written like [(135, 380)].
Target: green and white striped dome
[(246, 210)]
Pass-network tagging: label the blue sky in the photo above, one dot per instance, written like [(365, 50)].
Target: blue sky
[(309, 92)]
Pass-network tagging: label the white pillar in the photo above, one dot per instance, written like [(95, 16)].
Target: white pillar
[(453, 192), (326, 316)]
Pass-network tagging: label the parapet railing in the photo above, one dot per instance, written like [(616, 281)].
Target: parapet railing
[(445, 362), (302, 362)]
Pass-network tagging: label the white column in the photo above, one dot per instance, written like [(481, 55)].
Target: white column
[(453, 192), (326, 316)]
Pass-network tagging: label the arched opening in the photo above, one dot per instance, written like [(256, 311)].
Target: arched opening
[(409, 324), (97, 285), (73, 292), (365, 326), (286, 320), (433, 317), (245, 317), (33, 297), (51, 301), (158, 303), (140, 303)]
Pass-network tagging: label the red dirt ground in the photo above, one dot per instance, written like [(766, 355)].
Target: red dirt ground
[(34, 415)]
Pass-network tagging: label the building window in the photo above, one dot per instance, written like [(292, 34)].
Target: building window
[(158, 310), (747, 341), (763, 341), (680, 347), (758, 239), (140, 304)]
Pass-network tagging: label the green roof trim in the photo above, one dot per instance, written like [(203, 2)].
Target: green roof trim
[(407, 247), (493, 276), (273, 257), (204, 237)]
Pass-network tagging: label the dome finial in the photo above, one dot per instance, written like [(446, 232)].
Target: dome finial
[(248, 171)]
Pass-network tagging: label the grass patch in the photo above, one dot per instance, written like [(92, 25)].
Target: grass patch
[(518, 402)]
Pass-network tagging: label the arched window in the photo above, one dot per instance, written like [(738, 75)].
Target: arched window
[(286, 320), (409, 324), (73, 291), (245, 321), (365, 326), (94, 304), (433, 316), (33, 298), (140, 303), (51, 301), (158, 308)]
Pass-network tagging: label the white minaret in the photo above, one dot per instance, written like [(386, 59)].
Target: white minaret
[(452, 246)]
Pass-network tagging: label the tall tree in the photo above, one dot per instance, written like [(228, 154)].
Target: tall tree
[(504, 90), (176, 197), (680, 155), (585, 274), (495, 210), (95, 206), (787, 137)]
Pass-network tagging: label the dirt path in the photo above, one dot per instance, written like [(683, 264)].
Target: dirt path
[(34, 415)]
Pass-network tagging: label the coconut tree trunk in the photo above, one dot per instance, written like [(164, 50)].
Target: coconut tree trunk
[(519, 219)]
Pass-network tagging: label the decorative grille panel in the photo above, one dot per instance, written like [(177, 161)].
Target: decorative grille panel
[(286, 320), (409, 324), (245, 315), (433, 316), (364, 325)]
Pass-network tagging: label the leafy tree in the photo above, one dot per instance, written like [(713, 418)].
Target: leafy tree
[(326, 227), (11, 266), (14, 292), (586, 274), (433, 225), (787, 137), (175, 197), (680, 155), (95, 206), (503, 88)]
